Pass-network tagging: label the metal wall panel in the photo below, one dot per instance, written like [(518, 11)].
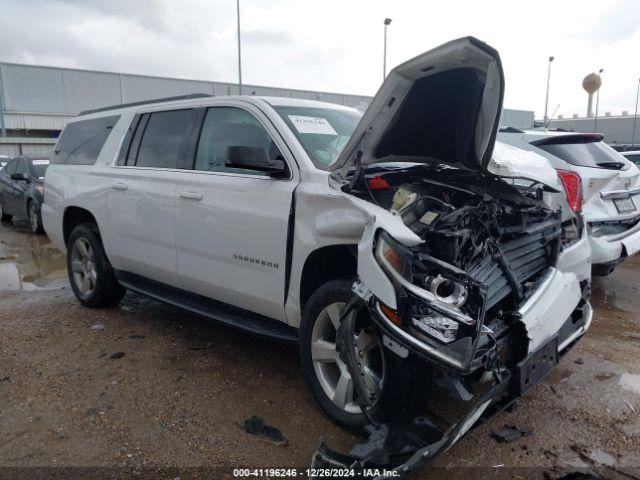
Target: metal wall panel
[(32, 89), (87, 90), (516, 118), (32, 121), (614, 129), (137, 88)]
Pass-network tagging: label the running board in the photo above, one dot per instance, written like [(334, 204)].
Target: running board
[(220, 312)]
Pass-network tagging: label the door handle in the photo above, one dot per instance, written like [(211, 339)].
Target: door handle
[(120, 186), (191, 196)]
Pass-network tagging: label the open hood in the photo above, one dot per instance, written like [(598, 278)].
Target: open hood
[(443, 106)]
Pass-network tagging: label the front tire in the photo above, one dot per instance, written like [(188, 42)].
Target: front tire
[(35, 220), (91, 276), (403, 386)]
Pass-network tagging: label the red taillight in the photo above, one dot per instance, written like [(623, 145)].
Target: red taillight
[(378, 183), (573, 186)]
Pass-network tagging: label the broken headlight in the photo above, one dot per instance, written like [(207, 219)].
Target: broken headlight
[(393, 257), (447, 291)]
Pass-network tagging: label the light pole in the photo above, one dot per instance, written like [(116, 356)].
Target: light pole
[(239, 51), (635, 116), (595, 120), (387, 22), (546, 100)]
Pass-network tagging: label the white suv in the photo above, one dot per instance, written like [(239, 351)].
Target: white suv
[(261, 212), (608, 183)]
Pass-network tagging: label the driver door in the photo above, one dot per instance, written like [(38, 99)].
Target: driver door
[(231, 224)]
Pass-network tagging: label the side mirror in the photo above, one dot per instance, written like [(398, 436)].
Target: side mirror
[(24, 177), (255, 158)]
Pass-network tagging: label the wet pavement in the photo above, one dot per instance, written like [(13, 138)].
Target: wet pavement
[(146, 385)]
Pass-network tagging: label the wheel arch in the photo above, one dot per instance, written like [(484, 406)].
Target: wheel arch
[(324, 264), (74, 216)]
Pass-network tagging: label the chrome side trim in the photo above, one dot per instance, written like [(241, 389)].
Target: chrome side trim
[(620, 193)]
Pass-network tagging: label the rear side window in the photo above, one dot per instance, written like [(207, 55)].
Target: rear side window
[(11, 167), (163, 137), (588, 153), (635, 158), (81, 141)]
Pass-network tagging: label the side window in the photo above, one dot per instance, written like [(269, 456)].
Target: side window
[(23, 167), (11, 167), (82, 141), (163, 137), (226, 127)]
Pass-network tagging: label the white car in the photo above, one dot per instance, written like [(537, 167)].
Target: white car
[(264, 213), (3, 161), (610, 186)]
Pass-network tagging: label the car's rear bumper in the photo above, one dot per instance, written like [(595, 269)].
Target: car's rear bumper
[(613, 248)]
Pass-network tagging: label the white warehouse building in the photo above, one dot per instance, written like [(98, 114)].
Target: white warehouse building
[(37, 101)]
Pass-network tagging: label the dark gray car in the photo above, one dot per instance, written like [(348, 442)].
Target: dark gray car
[(21, 190)]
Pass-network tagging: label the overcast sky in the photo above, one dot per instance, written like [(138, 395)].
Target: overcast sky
[(335, 45)]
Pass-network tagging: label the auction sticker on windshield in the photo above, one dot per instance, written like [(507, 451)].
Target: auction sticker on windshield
[(40, 162), (317, 125)]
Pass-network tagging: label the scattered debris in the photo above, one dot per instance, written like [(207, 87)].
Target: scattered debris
[(117, 355), (211, 440), (579, 361), (511, 433), (255, 426), (97, 327), (4, 379), (633, 410), (634, 337), (137, 336)]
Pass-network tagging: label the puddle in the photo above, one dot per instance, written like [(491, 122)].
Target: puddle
[(604, 376), (630, 381), (29, 262)]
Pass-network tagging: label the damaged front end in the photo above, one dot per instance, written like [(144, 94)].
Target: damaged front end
[(456, 266)]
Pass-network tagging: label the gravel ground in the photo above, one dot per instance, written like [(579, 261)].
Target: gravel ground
[(149, 390)]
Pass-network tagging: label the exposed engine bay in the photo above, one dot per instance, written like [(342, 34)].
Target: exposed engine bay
[(487, 248), (477, 223)]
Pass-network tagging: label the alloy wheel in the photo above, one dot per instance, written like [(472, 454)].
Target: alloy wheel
[(33, 217), (83, 267), (332, 373)]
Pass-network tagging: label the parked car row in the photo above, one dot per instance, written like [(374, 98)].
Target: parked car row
[(22, 188), (407, 252)]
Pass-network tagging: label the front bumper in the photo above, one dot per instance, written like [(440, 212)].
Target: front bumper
[(405, 446), (613, 248), (542, 316)]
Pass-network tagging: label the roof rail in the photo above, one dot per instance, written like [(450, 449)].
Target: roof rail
[(145, 102)]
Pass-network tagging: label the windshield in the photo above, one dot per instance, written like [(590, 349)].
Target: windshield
[(39, 167), (323, 132), (590, 153)]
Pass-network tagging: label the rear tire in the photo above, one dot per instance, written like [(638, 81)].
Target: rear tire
[(4, 217), (91, 275), (404, 385)]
